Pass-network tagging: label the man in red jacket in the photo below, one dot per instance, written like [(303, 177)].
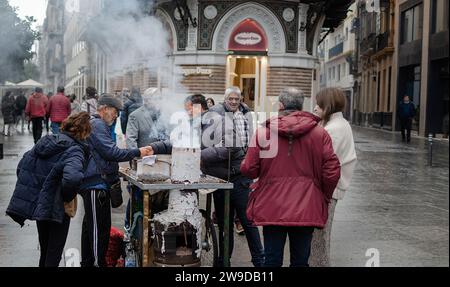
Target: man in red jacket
[(36, 110), (295, 184), (59, 109)]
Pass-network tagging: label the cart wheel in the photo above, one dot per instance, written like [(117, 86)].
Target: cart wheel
[(210, 247)]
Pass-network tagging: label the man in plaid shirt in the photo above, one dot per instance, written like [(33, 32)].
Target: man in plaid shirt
[(242, 130)]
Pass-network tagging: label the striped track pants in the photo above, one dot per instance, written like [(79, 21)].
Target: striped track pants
[(96, 227)]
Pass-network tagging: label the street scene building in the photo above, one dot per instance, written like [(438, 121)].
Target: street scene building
[(202, 41), (336, 53), (375, 65), (200, 133), (52, 46), (402, 49)]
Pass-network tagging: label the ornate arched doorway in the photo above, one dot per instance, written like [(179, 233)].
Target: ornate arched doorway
[(247, 62)]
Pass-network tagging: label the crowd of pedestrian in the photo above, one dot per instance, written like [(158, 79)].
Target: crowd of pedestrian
[(293, 192)]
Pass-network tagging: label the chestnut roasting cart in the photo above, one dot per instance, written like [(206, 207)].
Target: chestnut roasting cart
[(206, 186)]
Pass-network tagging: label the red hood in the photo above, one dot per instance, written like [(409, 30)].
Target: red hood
[(37, 95), (296, 124)]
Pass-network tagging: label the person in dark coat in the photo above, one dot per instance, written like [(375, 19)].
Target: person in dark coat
[(19, 105), (101, 175), (8, 112), (133, 103), (49, 176), (406, 112), (297, 170)]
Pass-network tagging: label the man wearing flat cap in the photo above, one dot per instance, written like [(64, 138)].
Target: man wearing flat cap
[(102, 172)]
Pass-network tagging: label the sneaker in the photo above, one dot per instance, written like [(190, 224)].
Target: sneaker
[(239, 228)]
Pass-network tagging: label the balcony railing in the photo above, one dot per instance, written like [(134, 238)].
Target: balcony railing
[(336, 50), (368, 45), (382, 41)]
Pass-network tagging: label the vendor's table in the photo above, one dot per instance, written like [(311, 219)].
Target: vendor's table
[(149, 189)]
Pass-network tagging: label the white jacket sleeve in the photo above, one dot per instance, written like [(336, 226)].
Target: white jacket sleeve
[(344, 147)]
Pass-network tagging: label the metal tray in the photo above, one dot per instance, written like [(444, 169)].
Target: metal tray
[(206, 182)]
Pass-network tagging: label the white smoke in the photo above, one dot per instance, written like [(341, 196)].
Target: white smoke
[(129, 35), (131, 38)]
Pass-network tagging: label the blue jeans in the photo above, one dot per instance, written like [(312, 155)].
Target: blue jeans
[(56, 128), (299, 245), (238, 204)]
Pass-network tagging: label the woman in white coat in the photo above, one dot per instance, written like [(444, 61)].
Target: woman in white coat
[(330, 106)]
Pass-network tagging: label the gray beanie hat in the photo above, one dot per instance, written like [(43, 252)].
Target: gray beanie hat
[(110, 101)]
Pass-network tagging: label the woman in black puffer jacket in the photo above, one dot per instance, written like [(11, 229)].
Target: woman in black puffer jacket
[(48, 176)]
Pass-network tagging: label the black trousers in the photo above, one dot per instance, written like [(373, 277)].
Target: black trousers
[(238, 205), (52, 239), (46, 121), (299, 245), (37, 128), (406, 124), (96, 227)]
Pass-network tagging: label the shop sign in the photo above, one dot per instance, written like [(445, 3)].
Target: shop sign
[(248, 36), (247, 39), (197, 72)]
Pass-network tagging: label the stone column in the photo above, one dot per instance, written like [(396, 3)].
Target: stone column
[(425, 67), (192, 32), (302, 13)]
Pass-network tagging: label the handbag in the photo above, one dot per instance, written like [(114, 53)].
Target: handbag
[(115, 192), (70, 208)]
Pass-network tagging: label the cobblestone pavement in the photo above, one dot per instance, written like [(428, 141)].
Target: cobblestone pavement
[(396, 204)]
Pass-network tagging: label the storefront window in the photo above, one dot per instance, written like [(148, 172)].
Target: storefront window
[(412, 21)]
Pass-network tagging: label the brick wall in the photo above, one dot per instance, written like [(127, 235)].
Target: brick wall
[(279, 78), (112, 84), (138, 79), (128, 80), (150, 79), (115, 83)]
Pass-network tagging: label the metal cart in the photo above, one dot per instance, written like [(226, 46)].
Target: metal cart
[(206, 186)]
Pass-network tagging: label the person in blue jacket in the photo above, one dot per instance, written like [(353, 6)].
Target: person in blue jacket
[(101, 175), (48, 176)]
